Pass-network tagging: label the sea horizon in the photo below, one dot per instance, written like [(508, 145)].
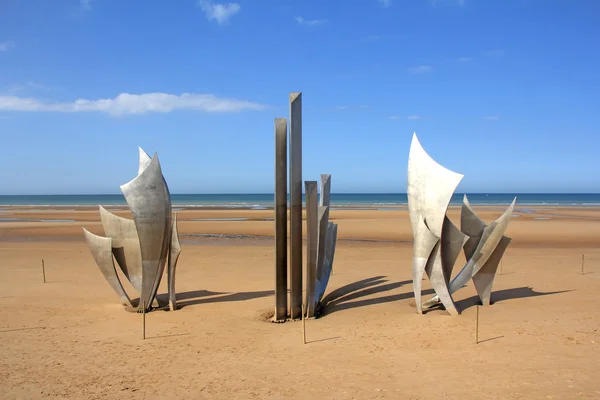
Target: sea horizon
[(339, 200)]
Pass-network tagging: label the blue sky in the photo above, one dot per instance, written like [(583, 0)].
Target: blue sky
[(505, 92)]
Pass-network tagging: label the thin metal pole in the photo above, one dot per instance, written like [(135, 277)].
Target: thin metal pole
[(144, 319), (477, 327), (303, 326), (44, 270)]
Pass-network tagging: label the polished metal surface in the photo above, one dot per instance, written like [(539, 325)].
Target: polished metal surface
[(492, 234), (422, 249), (145, 160), (101, 249), (484, 278), (444, 255), (325, 273), (281, 253), (487, 241), (150, 203), (174, 251), (295, 204), (144, 246), (323, 224), (322, 238), (321, 264), (435, 273), (312, 227), (438, 242), (453, 241), (472, 226), (430, 188), (326, 240), (125, 245), (439, 266), (325, 195)]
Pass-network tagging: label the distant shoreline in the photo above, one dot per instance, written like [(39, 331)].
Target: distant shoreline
[(124, 207), (345, 201)]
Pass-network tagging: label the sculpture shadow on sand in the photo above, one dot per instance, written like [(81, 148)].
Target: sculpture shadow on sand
[(508, 294), (347, 297), (226, 297)]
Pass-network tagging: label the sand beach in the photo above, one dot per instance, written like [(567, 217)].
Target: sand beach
[(70, 337)]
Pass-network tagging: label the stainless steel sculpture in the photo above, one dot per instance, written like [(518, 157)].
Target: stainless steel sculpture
[(321, 234), (438, 242), (322, 238), (141, 246)]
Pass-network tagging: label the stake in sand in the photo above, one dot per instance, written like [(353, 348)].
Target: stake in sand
[(477, 327), (303, 325), (144, 320), (582, 262), (44, 270)]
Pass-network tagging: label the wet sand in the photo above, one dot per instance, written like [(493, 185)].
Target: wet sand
[(70, 338)]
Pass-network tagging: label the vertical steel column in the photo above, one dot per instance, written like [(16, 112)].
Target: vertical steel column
[(312, 226), (281, 311), (324, 199), (295, 205)]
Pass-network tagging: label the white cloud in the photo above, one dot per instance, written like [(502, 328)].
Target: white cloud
[(126, 103), (395, 117), (6, 46), (420, 69), (219, 12), (303, 21), (414, 117), (86, 4), (464, 59), (492, 118), (385, 3)]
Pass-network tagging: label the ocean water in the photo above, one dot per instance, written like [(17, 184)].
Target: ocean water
[(338, 200)]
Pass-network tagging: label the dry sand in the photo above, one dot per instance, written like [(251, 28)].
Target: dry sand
[(70, 338)]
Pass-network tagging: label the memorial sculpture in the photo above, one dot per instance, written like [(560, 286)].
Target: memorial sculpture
[(321, 241), (438, 242), (143, 246), (321, 233)]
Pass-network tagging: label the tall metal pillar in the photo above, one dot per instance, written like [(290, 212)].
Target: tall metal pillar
[(281, 264), (312, 226), (295, 205)]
